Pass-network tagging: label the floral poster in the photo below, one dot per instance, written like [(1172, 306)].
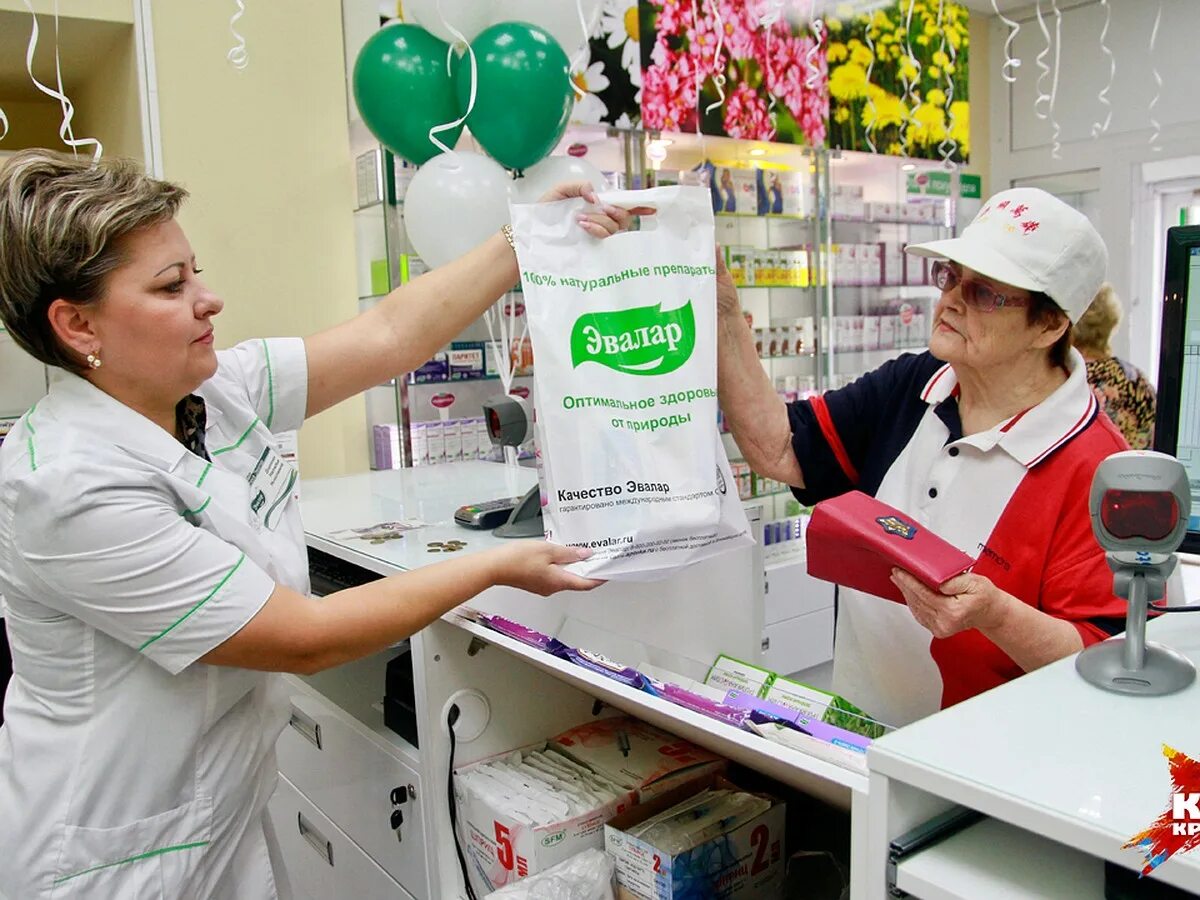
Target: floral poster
[(612, 77), (880, 95), (743, 68)]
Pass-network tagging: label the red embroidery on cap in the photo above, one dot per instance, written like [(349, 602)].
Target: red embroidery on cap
[(1030, 226), (1003, 204), (1017, 211)]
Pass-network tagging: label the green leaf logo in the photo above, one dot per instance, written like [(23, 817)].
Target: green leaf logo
[(642, 341)]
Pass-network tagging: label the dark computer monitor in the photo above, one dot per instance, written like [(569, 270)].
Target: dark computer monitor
[(1177, 425)]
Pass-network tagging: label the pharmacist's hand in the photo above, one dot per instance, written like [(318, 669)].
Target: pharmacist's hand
[(537, 566), (606, 219), (964, 602), (727, 295)]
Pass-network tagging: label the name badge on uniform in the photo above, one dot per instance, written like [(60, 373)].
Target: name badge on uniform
[(271, 482)]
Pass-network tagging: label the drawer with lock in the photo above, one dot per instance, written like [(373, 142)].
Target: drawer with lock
[(322, 862), (360, 782)]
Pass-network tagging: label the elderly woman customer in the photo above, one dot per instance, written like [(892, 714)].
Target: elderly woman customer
[(151, 550), (989, 439), (1123, 391)]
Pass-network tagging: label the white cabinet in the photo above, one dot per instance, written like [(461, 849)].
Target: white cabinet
[(1065, 773), (358, 781), (322, 862)]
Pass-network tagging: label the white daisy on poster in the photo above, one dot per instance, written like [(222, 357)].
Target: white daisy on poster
[(619, 23), (590, 109)]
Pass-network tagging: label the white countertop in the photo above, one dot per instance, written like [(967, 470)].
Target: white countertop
[(431, 494), (1052, 753)]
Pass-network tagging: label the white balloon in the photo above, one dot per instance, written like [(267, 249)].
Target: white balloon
[(559, 17), (555, 170), (455, 202), (469, 16)]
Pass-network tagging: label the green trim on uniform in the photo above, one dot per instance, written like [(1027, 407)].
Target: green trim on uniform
[(238, 442), (32, 435), (132, 859), (201, 508), (211, 594), (204, 474), (270, 386)]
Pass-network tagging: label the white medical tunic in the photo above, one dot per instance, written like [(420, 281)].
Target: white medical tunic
[(127, 768)]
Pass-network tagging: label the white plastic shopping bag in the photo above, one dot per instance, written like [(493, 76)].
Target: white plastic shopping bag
[(625, 370)]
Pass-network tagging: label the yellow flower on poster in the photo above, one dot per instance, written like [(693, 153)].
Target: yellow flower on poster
[(848, 82), (913, 103)]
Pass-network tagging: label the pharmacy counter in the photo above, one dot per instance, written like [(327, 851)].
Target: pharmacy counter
[(1065, 774), (1045, 755), (511, 694)]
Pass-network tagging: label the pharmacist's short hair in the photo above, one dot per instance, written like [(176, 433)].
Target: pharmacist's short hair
[(62, 221), (1095, 327)]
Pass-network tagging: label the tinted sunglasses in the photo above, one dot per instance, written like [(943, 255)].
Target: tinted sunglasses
[(976, 294)]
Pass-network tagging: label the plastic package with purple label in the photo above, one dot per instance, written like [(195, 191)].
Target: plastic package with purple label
[(731, 715), (761, 711), (602, 665), (519, 632)]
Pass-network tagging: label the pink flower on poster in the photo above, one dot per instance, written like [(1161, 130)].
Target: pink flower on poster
[(746, 115), (669, 92), (740, 67)]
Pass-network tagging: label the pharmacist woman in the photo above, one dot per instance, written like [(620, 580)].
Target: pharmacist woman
[(151, 550), (990, 439)]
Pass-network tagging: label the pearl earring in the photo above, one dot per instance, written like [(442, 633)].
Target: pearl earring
[(93, 360)]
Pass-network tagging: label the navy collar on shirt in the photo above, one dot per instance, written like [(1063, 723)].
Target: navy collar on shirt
[(1030, 436)]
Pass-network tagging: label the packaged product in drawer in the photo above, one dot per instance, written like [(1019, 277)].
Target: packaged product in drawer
[(522, 812), (711, 839), (635, 755)]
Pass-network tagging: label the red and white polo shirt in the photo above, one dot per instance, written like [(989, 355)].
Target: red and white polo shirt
[(1015, 497)]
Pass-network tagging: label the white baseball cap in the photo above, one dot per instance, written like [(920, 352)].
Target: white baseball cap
[(1032, 240)]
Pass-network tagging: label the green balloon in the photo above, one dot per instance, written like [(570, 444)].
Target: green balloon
[(523, 96), (402, 90)]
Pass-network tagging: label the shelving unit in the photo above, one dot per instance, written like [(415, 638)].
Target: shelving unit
[(978, 864)]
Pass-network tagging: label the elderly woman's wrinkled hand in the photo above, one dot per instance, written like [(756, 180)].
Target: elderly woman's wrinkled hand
[(964, 602), (606, 219), (727, 295)]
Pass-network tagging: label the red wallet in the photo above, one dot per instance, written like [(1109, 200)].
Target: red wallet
[(855, 540)]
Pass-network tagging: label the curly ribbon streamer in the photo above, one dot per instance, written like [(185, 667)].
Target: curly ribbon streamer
[(450, 126), (580, 55), (1042, 96), (1155, 146), (4, 125), (1010, 61), (870, 97), (718, 74), (237, 55), (773, 12), (501, 328), (1055, 144), (813, 78), (1099, 128), (910, 90), (948, 146), (65, 132)]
